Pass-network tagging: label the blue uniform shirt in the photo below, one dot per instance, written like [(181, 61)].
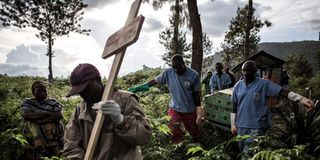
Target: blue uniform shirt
[(251, 100), (181, 88), (221, 83)]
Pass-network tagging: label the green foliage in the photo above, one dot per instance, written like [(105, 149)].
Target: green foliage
[(166, 39), (214, 143), (173, 38), (12, 144), (194, 150), (13, 90), (302, 128), (159, 147), (233, 45), (226, 150), (298, 65), (299, 85), (211, 136), (317, 57), (296, 153), (53, 158), (50, 18), (314, 85)]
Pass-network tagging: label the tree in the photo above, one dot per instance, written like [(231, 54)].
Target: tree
[(52, 18), (182, 47), (173, 39), (246, 52), (240, 42), (197, 50), (195, 24), (298, 65)]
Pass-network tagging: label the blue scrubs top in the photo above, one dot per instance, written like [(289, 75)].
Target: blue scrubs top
[(220, 83), (181, 88), (251, 101)]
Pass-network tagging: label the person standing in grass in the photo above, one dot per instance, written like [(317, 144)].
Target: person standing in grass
[(185, 109), (42, 117)]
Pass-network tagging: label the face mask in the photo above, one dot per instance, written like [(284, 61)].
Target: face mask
[(179, 68)]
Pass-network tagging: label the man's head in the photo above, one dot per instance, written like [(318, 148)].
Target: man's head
[(85, 80), (226, 68), (219, 67), (209, 73), (177, 63), (39, 90), (249, 69), (269, 73)]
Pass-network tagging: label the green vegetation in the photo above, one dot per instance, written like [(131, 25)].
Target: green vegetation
[(241, 40), (298, 142)]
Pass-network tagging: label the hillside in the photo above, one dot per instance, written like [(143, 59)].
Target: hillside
[(279, 49), (213, 141)]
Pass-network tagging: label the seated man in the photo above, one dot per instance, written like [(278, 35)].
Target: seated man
[(42, 126)]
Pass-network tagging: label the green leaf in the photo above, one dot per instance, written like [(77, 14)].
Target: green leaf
[(20, 138), (194, 150), (164, 129)]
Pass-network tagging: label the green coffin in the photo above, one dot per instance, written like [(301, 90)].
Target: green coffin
[(217, 107)]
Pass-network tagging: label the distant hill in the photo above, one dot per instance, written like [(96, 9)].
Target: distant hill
[(279, 49)]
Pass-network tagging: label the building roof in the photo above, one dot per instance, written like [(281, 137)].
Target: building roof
[(263, 61)]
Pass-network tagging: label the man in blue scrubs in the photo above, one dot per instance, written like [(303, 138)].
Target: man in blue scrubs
[(219, 80), (184, 107), (251, 115)]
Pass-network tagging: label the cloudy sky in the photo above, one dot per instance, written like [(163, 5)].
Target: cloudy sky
[(21, 53)]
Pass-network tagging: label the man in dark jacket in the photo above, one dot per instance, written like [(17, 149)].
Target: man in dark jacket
[(125, 127)]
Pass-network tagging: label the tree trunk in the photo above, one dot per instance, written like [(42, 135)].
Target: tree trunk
[(248, 29), (176, 28), (197, 50), (49, 54)]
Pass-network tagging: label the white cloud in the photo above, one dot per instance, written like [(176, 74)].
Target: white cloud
[(292, 20), (215, 16), (23, 55), (98, 3), (32, 60)]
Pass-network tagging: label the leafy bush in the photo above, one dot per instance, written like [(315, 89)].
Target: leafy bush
[(215, 143), (314, 85)]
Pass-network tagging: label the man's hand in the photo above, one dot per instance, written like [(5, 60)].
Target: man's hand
[(307, 103), (303, 100), (199, 111), (233, 123), (139, 88), (110, 108), (233, 129)]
